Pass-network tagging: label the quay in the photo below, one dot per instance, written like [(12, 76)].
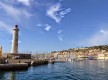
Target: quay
[(26, 61), (13, 66), (20, 64)]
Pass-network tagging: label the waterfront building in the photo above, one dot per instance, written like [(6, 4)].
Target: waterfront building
[(80, 55), (40, 56), (101, 56), (106, 55), (56, 55), (72, 55), (46, 56), (91, 53), (52, 55), (60, 56), (65, 55)]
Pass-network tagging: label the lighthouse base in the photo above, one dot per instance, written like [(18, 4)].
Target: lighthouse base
[(17, 56)]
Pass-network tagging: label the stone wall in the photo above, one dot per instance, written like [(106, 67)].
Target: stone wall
[(17, 56), (2, 60)]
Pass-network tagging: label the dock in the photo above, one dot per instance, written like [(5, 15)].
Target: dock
[(20, 64), (13, 66)]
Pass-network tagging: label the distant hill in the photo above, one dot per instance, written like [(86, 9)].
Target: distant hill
[(100, 47)]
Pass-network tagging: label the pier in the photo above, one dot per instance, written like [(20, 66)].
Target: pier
[(20, 64), (13, 66)]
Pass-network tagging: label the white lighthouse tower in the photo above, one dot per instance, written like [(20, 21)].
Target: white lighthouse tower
[(14, 49)]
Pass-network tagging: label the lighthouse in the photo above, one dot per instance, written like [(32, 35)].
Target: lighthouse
[(14, 49), (0, 52)]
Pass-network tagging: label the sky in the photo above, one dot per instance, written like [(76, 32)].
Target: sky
[(53, 25)]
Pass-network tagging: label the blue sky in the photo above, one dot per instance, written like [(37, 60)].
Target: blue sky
[(48, 25)]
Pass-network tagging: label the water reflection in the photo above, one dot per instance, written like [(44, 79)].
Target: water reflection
[(12, 76), (7, 75), (2, 75), (101, 63)]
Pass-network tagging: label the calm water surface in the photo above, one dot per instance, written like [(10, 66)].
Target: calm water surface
[(85, 70)]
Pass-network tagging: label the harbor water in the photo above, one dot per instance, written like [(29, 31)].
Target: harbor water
[(82, 70)]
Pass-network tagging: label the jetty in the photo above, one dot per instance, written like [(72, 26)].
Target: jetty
[(13, 66), (20, 64)]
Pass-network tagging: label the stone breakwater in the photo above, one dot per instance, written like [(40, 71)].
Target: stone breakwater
[(14, 66), (2, 60), (21, 64)]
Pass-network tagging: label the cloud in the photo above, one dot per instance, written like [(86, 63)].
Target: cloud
[(62, 13), (56, 12), (52, 12), (47, 27), (24, 2), (5, 27), (14, 12), (99, 38), (60, 38), (103, 31), (39, 25), (60, 31)]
